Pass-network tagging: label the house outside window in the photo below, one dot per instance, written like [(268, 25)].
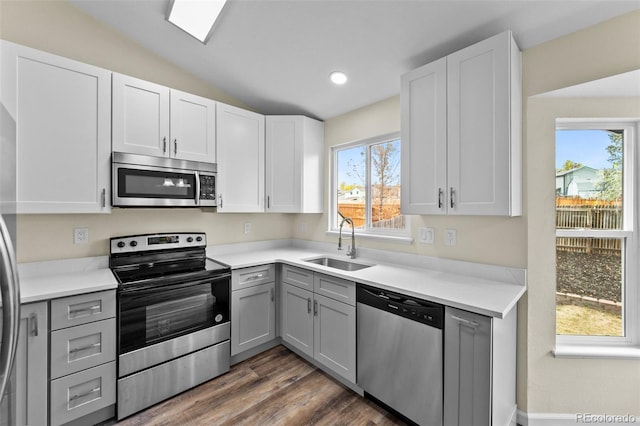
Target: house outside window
[(597, 297), (365, 187)]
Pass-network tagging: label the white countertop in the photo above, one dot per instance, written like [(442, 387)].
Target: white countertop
[(489, 297), (60, 278)]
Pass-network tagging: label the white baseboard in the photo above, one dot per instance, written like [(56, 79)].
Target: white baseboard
[(561, 419)]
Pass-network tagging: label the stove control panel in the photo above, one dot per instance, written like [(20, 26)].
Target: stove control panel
[(151, 242)]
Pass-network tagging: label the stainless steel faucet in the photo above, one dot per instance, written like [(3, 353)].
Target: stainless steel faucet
[(351, 250)]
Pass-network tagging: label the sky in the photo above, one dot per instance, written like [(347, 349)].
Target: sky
[(350, 156), (587, 147)]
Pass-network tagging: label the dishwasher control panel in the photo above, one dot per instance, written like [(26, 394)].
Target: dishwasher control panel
[(423, 311)]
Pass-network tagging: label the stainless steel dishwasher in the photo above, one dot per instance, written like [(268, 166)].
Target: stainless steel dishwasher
[(400, 351)]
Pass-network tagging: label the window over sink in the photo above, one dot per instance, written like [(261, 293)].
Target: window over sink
[(366, 187)]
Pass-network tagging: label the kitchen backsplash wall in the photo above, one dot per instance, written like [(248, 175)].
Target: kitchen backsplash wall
[(48, 237)]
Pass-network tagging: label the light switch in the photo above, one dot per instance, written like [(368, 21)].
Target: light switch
[(450, 237)]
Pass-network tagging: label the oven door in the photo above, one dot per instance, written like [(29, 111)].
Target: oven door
[(140, 186), (156, 314)]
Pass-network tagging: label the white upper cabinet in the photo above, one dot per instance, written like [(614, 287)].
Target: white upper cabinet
[(294, 164), (240, 156), (461, 132), (61, 110), (151, 119)]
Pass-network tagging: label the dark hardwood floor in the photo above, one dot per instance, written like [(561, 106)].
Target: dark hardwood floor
[(276, 387)]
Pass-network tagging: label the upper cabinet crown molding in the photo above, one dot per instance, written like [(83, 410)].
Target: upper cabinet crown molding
[(461, 132), (151, 119), (58, 113), (294, 164)]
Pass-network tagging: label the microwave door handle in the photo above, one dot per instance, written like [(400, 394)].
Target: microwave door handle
[(197, 194)]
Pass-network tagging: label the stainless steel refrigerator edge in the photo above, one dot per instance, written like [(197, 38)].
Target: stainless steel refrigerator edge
[(9, 284)]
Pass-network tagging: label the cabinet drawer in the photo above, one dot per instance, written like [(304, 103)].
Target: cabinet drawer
[(297, 276), (82, 309), (76, 348), (336, 288), (249, 277), (82, 393)]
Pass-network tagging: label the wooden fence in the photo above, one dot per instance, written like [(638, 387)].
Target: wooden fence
[(577, 213), (390, 217)]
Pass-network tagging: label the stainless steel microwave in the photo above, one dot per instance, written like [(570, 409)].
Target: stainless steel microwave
[(147, 181)]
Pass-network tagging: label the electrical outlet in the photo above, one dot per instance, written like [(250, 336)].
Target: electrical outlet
[(427, 235), (247, 227), (80, 235), (450, 237)]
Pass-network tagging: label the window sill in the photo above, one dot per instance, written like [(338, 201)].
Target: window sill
[(584, 351), (386, 238)]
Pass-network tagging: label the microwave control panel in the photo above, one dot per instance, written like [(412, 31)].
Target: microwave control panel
[(207, 187)]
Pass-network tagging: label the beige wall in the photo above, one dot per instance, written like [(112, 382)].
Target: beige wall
[(567, 385), (58, 27)]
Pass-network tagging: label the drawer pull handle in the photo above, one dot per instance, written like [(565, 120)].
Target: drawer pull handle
[(465, 321), (82, 395), (255, 277), (33, 324), (90, 310), (85, 348)]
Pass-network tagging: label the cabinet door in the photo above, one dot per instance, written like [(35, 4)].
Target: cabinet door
[(253, 317), (140, 116), (62, 111), (193, 127), (284, 145), (424, 139), (297, 318), (240, 156), (30, 366), (334, 336), (479, 132), (467, 368)]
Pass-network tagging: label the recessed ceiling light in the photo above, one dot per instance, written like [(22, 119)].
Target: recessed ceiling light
[(338, 77), (195, 17)]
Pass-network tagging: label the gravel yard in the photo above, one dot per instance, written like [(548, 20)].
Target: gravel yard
[(592, 275)]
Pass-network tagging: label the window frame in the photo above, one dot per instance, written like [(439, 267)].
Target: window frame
[(397, 235), (577, 345)]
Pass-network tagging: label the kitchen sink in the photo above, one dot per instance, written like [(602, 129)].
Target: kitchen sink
[(332, 262)]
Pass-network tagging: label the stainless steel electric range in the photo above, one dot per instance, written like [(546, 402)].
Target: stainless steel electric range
[(173, 317)]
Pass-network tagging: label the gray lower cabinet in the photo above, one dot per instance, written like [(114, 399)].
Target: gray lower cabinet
[(320, 323), (479, 368), (82, 358), (253, 307), (253, 319), (29, 385)]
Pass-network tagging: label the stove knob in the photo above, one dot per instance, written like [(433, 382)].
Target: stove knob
[(198, 239), (190, 239), (133, 243), (121, 244)]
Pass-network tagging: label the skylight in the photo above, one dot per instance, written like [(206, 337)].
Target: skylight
[(195, 17)]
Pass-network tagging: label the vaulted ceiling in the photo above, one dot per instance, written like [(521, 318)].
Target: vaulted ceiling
[(276, 55)]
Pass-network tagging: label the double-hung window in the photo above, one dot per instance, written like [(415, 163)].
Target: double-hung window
[(366, 187), (597, 248)]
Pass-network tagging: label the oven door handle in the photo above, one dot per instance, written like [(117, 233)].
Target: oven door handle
[(160, 291)]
